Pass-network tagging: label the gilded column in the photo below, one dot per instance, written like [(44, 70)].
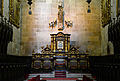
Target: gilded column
[(54, 44), (66, 46), (68, 43)]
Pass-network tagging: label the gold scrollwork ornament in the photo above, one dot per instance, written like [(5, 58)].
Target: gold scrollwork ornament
[(106, 12), (14, 12)]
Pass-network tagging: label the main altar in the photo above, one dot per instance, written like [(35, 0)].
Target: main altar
[(60, 54)]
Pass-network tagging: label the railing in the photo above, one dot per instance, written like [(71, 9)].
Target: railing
[(13, 68), (6, 34), (105, 68)]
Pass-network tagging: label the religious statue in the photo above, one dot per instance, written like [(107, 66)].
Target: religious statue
[(60, 14), (61, 18)]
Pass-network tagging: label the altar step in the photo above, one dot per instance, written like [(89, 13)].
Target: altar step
[(60, 63), (60, 79), (67, 76), (60, 73)]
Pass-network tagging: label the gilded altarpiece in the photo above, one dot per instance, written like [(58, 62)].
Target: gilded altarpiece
[(1, 7), (14, 12), (106, 12), (60, 48)]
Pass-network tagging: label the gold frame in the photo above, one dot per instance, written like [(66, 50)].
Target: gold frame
[(2, 8), (106, 12), (117, 9), (14, 12), (39, 61)]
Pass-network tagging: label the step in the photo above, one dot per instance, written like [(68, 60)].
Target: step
[(59, 63), (60, 74), (60, 71), (52, 79), (61, 80)]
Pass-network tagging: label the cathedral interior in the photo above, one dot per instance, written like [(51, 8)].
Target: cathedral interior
[(59, 40)]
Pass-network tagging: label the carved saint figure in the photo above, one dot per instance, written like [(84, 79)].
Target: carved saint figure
[(60, 14), (60, 17)]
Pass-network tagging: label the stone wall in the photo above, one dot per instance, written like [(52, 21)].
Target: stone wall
[(85, 33), (34, 32)]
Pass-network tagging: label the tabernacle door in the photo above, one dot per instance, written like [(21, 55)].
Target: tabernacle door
[(60, 42)]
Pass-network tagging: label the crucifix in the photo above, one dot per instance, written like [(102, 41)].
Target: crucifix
[(60, 21)]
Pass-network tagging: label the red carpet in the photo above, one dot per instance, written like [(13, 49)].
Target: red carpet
[(60, 74), (60, 79), (37, 78)]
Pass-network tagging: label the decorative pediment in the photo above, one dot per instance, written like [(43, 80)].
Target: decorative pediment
[(46, 50), (74, 50), (60, 34)]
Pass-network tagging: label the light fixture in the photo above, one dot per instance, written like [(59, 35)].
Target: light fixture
[(29, 3), (89, 10)]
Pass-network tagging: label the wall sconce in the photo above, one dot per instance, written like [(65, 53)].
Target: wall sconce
[(89, 10), (29, 3)]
